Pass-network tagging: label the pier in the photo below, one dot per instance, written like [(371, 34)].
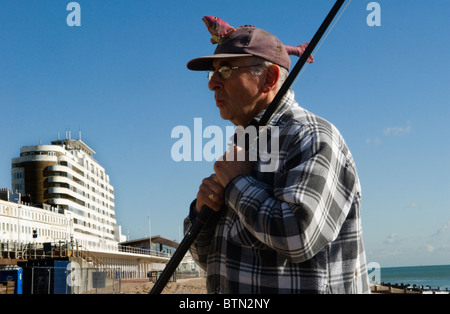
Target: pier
[(138, 261), (388, 288)]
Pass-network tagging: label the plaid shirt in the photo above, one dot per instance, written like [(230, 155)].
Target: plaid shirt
[(294, 230)]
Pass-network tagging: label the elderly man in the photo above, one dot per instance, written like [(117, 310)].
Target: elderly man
[(296, 229)]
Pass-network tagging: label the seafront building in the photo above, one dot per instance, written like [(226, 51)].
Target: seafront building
[(22, 223), (65, 176), (62, 203)]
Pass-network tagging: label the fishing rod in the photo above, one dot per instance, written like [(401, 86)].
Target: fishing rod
[(206, 213)]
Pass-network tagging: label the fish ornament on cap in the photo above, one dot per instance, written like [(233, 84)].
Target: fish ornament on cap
[(221, 30), (218, 28)]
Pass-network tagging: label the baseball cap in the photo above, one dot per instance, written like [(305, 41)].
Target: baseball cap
[(246, 41)]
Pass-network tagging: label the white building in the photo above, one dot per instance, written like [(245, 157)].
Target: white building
[(25, 224), (72, 187), (61, 194)]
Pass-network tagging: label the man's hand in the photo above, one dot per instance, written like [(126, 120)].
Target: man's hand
[(233, 163), (228, 167), (210, 193)]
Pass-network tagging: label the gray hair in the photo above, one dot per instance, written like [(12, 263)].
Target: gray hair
[(264, 64)]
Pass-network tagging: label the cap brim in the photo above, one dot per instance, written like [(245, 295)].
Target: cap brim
[(206, 63)]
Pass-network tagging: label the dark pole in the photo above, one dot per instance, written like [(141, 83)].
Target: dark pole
[(184, 246), (206, 212), (300, 63)]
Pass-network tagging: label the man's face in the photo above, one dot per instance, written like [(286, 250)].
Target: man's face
[(239, 96)]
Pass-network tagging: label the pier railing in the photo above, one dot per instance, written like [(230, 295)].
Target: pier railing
[(135, 250), (24, 251)]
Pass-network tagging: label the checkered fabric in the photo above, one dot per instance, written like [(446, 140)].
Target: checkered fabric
[(293, 230)]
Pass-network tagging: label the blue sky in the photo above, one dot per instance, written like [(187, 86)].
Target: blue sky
[(121, 79)]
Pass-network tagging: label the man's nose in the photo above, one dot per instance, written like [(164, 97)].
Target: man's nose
[(215, 82)]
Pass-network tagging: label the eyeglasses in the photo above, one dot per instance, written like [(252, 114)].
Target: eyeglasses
[(225, 71)]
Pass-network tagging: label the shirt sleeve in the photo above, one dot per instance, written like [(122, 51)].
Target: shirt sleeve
[(311, 196)]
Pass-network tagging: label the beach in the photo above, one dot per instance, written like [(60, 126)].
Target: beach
[(198, 286), (182, 286), (195, 286)]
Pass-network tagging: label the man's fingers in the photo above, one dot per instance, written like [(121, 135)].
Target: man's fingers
[(210, 193), (212, 201)]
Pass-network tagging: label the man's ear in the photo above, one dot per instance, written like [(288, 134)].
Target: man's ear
[(272, 78)]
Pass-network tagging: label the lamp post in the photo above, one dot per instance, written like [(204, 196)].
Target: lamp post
[(149, 236)]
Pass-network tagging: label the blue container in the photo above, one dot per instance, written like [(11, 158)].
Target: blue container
[(59, 278), (13, 274)]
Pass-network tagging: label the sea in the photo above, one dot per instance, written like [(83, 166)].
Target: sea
[(426, 276)]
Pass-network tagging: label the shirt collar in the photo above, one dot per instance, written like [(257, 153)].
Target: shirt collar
[(285, 101)]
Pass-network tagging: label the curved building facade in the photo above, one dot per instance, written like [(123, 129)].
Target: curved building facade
[(66, 176)]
